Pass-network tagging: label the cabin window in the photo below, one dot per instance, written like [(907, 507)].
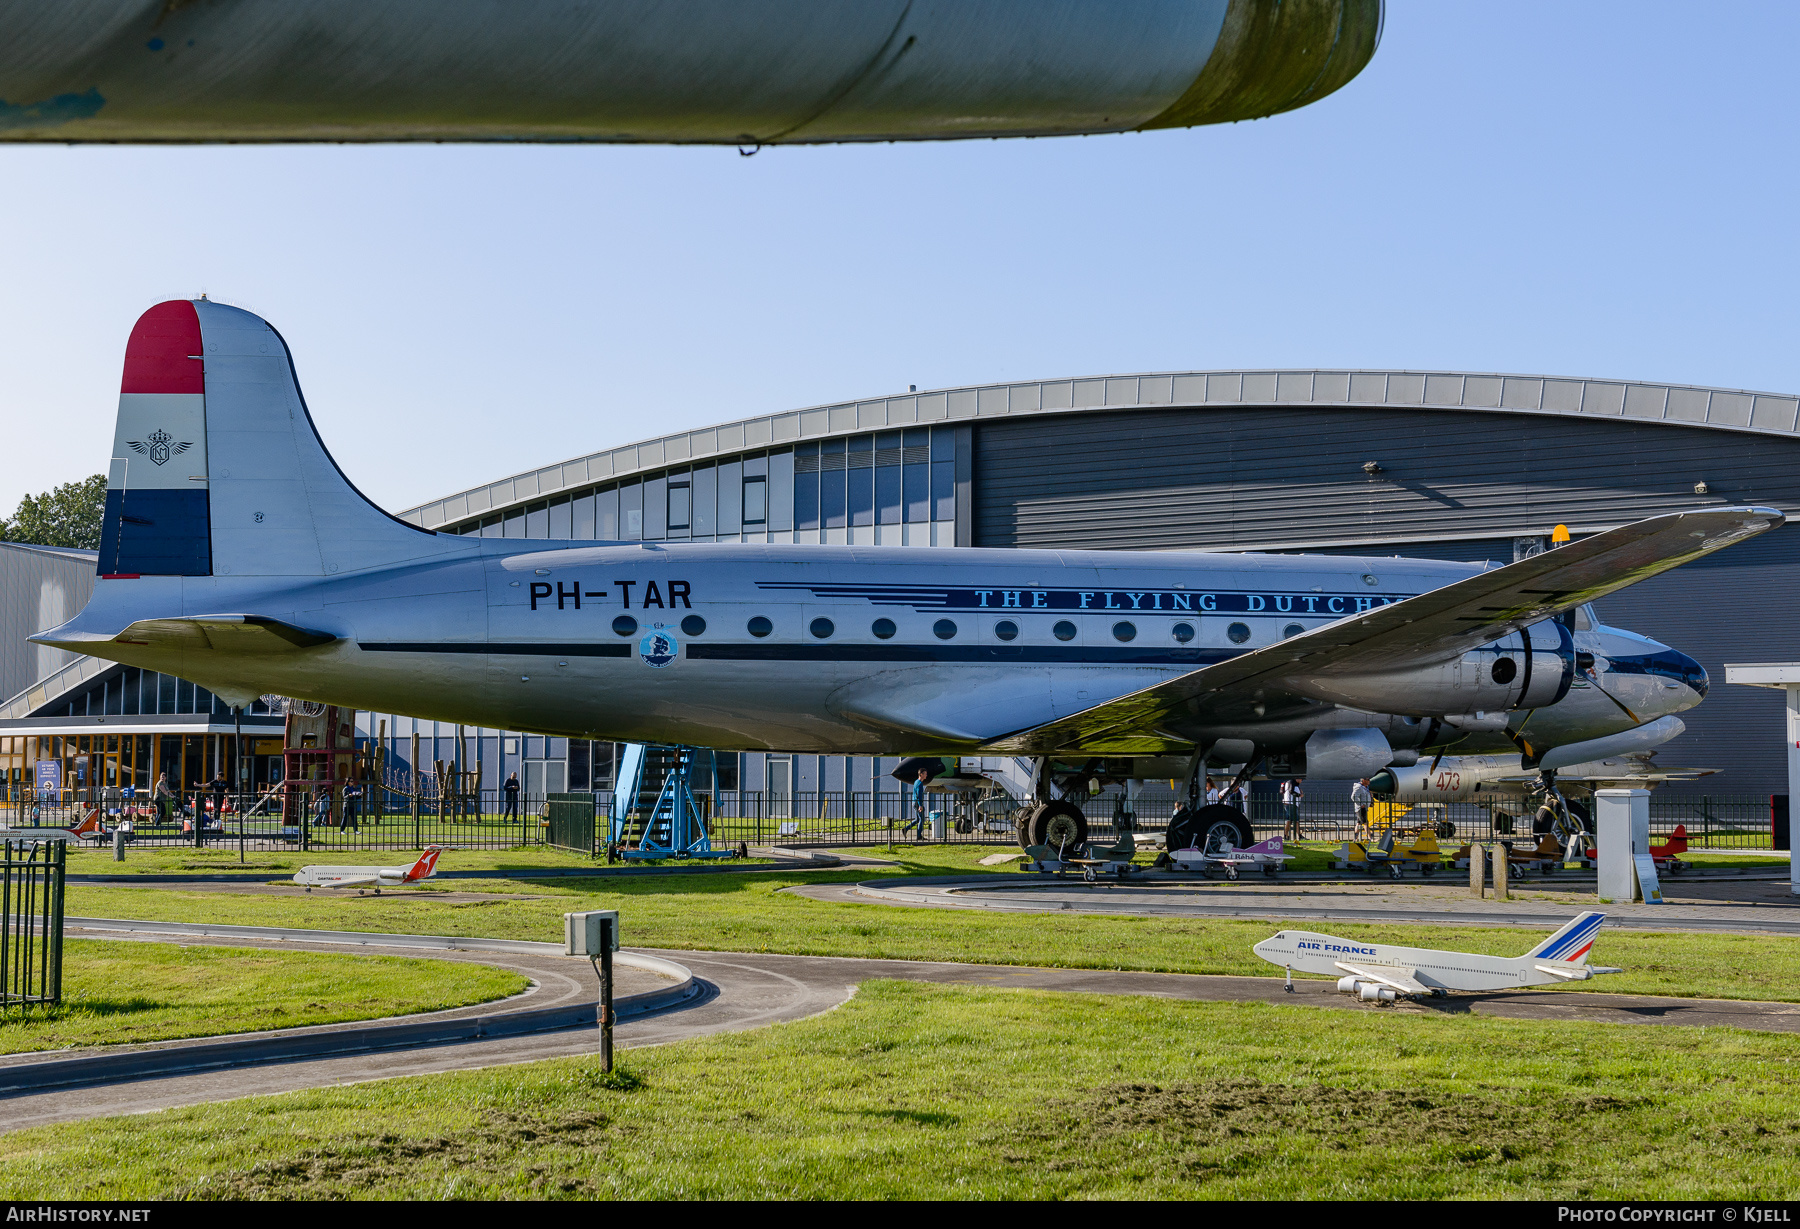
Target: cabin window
[(759, 627), (1237, 633), (943, 629), (693, 625), (1291, 630), (625, 625), (883, 628), (821, 629), (1006, 629), (1124, 631), (1064, 630)]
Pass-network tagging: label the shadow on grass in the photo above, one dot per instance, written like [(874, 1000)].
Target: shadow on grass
[(923, 1118)]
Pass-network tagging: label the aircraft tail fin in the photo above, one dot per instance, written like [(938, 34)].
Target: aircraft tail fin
[(217, 469), (1570, 944), (426, 866)]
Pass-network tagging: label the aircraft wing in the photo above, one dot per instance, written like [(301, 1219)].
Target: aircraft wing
[(1436, 626), (224, 633), (1406, 980)]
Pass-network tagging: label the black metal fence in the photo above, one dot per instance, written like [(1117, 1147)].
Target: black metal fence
[(494, 820), (31, 922)]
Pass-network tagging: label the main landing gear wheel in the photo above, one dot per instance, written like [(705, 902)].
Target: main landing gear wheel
[(1059, 824), (1216, 826)]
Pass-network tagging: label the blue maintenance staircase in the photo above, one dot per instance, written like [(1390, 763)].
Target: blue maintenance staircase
[(674, 827)]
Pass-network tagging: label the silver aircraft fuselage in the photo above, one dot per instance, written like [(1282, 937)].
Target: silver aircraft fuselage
[(866, 650)]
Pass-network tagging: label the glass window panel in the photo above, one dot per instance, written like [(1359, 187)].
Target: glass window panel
[(656, 507), (831, 498), (705, 489), (781, 491), (918, 492), (606, 514), (806, 500), (756, 501), (943, 490), (943, 444), (514, 525), (731, 497), (859, 492), (681, 506), (562, 519), (631, 510), (165, 693), (490, 527), (184, 696), (582, 515), (887, 493), (537, 520)]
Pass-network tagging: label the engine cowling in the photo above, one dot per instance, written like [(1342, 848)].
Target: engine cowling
[(1529, 669)]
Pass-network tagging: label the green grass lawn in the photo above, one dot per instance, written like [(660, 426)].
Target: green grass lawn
[(918, 1091), (117, 992), (752, 913)]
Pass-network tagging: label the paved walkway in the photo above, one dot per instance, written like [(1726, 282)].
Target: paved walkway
[(1744, 905)]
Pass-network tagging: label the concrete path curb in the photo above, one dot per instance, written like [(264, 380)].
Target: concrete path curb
[(330, 1040)]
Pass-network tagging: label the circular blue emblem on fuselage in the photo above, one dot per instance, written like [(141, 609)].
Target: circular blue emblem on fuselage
[(659, 648)]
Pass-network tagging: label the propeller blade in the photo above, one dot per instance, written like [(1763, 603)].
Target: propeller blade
[(1595, 680)]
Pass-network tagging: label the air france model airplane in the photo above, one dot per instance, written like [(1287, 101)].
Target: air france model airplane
[(1380, 973), (237, 555), (377, 877)]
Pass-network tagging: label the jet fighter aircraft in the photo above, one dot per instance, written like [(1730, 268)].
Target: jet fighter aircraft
[(237, 555), (1380, 973)]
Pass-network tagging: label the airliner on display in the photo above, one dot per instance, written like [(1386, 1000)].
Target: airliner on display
[(237, 555), (377, 877), (1382, 973)]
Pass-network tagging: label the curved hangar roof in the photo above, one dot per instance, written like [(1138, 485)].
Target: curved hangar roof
[(1683, 405)]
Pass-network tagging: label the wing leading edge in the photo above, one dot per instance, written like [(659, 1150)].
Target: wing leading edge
[(1435, 626)]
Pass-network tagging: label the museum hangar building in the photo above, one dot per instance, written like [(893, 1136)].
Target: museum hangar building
[(1444, 465)]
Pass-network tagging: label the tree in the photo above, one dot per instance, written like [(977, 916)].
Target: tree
[(70, 515)]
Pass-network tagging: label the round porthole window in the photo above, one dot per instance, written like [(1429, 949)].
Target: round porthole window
[(693, 625), (1064, 630), (1292, 629), (1237, 633), (943, 629), (625, 625), (884, 629), (1370, 580), (1504, 670), (821, 629), (759, 627), (1183, 632), (1006, 629), (1124, 631)]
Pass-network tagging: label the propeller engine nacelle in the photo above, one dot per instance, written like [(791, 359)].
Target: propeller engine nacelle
[(1528, 669)]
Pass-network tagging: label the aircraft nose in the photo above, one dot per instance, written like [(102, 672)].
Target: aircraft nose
[(1693, 674)]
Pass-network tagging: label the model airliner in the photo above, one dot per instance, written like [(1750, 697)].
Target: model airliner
[(1382, 973), (377, 877), (236, 554)]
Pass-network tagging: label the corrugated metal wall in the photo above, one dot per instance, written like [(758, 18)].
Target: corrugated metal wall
[(1253, 476), (39, 588), (1268, 477)]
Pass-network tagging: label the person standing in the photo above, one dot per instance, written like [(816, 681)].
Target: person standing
[(322, 808), (164, 799), (1212, 793), (918, 803), (511, 789), (219, 787), (1362, 799), (1290, 805), (352, 796)]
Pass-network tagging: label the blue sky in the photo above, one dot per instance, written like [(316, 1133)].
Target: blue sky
[(1602, 189)]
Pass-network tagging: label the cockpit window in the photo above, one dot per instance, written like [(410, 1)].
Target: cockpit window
[(1586, 620)]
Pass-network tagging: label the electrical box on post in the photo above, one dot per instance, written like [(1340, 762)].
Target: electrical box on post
[(591, 934)]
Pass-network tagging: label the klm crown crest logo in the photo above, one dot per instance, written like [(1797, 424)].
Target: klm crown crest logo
[(160, 446)]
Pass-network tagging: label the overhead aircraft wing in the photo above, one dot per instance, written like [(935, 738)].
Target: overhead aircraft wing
[(1400, 979), (1432, 627), (222, 633)]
